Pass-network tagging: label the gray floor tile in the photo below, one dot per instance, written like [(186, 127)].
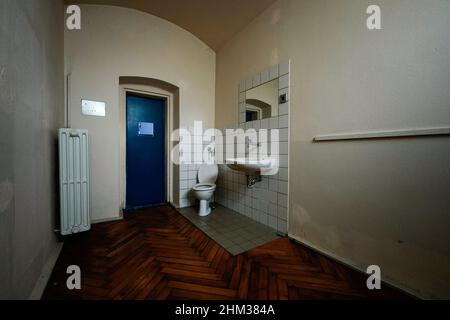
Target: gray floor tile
[(239, 240), (247, 246), (233, 231), (258, 242), (226, 243), (235, 250)]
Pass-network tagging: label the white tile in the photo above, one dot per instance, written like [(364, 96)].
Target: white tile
[(283, 68), (284, 91), (273, 222), (283, 121), (284, 148), (185, 203), (272, 196), (284, 161), (273, 72), (240, 208), (248, 84), (242, 117), (273, 209), (245, 210), (248, 201), (282, 226), (263, 206), (265, 76), (283, 174), (283, 82), (242, 107), (261, 194), (264, 184), (184, 193), (256, 80), (242, 97), (265, 124), (184, 175), (242, 86), (273, 185), (198, 157), (256, 124), (255, 214), (184, 167), (254, 203), (184, 184), (224, 202), (274, 123), (264, 218), (283, 187), (282, 200), (282, 213), (273, 177), (283, 109), (192, 183), (284, 135)]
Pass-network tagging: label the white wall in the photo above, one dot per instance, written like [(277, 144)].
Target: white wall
[(31, 111), (383, 202), (118, 42)]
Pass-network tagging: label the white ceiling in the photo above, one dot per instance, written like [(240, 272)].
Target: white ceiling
[(213, 21)]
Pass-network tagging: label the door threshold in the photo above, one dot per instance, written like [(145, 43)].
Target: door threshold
[(133, 209)]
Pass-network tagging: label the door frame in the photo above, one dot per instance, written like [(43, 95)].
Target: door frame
[(146, 93)]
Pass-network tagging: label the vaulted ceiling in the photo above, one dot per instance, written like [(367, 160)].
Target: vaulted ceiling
[(213, 21)]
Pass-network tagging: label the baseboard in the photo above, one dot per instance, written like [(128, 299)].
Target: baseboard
[(42, 281), (107, 220), (389, 282), (120, 217)]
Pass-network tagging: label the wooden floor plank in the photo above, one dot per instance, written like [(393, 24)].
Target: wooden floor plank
[(158, 254)]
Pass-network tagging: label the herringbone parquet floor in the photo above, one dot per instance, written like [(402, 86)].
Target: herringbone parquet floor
[(159, 254)]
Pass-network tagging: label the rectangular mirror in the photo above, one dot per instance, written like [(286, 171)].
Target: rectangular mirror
[(262, 102)]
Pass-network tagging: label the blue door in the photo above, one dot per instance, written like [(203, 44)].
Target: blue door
[(146, 152)]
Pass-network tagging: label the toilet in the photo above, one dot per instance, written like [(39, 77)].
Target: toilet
[(204, 190)]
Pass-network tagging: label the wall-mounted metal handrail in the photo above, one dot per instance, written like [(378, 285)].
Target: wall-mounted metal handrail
[(383, 134)]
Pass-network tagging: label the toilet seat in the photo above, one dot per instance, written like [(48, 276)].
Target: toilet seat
[(204, 187), (207, 174)]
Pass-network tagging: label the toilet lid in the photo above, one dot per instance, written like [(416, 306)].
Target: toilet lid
[(207, 173)]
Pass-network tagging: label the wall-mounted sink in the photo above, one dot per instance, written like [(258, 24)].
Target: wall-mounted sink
[(254, 167)]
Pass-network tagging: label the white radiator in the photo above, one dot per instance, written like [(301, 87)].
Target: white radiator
[(74, 180)]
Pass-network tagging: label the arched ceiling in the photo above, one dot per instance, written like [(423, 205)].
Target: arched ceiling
[(213, 21)]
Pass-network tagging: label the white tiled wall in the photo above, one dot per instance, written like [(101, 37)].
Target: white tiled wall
[(188, 173), (267, 201), (188, 179)]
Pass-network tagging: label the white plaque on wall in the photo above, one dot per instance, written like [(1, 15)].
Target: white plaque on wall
[(93, 108)]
